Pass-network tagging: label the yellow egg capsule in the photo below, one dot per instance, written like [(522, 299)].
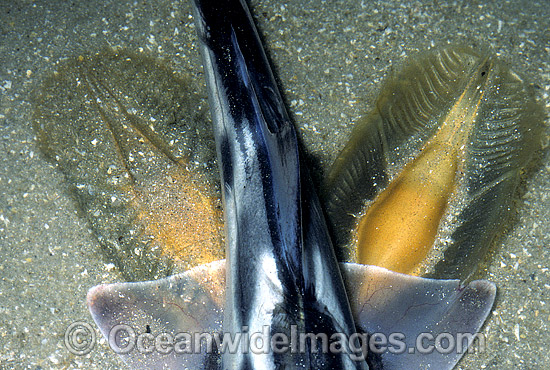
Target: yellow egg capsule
[(427, 177)]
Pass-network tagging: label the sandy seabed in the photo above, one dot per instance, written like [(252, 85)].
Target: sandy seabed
[(330, 58)]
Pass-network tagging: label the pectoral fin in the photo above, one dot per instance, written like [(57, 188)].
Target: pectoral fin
[(403, 309), (382, 302), (178, 307)]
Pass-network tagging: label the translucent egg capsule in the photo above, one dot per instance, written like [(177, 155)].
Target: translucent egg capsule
[(133, 141), (428, 176)]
